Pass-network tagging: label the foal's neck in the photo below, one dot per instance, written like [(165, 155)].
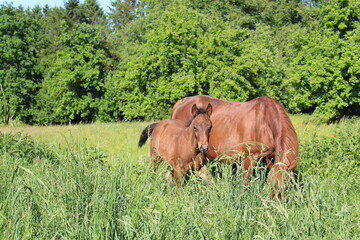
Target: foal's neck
[(189, 135)]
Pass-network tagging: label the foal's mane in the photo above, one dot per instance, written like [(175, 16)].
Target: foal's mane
[(200, 111)]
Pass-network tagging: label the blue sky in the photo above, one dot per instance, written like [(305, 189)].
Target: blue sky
[(52, 3)]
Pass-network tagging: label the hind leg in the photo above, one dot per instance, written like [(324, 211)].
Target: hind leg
[(279, 179), (174, 176), (251, 160), (249, 164), (177, 176), (155, 155)]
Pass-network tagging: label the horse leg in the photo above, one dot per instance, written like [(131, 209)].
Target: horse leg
[(268, 160), (204, 174), (195, 164), (251, 161), (278, 178), (176, 172), (154, 161), (177, 176), (154, 156), (169, 177), (249, 164)]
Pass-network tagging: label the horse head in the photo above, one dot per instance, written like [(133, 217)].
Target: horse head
[(201, 124)]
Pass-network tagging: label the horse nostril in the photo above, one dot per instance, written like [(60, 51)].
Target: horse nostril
[(204, 150)]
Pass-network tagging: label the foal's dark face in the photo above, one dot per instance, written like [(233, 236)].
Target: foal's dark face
[(202, 127)]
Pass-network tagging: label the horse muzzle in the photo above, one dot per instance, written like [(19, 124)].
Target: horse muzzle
[(204, 149)]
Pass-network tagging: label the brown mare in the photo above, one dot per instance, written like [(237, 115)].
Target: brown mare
[(181, 145), (247, 131)]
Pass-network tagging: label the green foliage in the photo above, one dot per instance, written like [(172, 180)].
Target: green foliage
[(110, 108), (20, 43), (186, 52), (340, 16), (77, 63), (74, 85), (123, 12), (94, 15), (164, 70), (326, 70), (24, 148)]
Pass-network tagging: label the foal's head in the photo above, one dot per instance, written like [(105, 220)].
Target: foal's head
[(201, 124)]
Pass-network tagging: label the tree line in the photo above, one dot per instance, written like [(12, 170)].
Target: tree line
[(134, 60)]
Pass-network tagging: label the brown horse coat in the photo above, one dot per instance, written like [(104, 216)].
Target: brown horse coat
[(248, 131), (181, 146)]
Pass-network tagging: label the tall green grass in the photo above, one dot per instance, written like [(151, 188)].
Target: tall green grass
[(73, 191)]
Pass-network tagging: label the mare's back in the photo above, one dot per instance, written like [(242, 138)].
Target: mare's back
[(235, 122), (182, 109)]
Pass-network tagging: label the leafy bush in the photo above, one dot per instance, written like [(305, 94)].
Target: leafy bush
[(24, 148)]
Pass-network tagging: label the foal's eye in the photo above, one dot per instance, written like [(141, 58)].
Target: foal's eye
[(195, 128)]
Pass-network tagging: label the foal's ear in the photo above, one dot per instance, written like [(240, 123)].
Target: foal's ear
[(209, 109), (194, 110)]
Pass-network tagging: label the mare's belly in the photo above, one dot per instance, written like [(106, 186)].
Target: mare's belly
[(233, 141)]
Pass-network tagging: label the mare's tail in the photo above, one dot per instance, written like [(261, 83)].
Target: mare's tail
[(286, 141), (286, 149), (146, 133)]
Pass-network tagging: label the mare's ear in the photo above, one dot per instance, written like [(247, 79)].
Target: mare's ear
[(209, 109), (194, 110)]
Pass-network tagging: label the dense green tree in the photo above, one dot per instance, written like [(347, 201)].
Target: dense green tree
[(79, 64), (164, 67), (20, 44), (123, 12), (88, 12), (186, 52), (326, 69), (73, 12), (74, 85), (110, 107), (50, 22), (93, 13)]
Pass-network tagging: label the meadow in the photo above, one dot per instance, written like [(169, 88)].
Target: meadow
[(90, 181)]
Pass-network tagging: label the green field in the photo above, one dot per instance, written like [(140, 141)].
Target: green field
[(92, 182)]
